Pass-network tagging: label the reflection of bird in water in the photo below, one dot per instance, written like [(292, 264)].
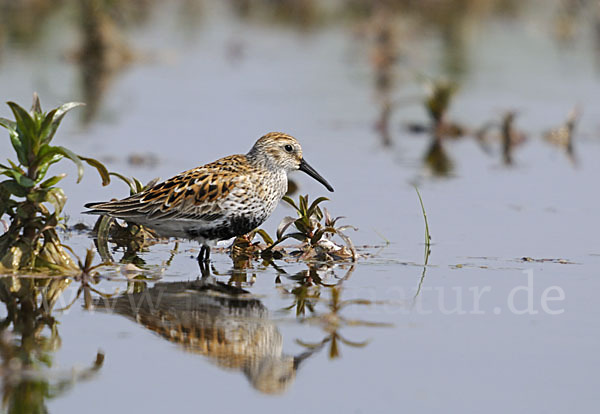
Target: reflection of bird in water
[(219, 321)]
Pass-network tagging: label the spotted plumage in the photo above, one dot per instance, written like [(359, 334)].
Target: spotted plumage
[(222, 322), (226, 198)]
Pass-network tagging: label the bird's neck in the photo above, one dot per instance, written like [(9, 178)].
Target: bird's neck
[(260, 161)]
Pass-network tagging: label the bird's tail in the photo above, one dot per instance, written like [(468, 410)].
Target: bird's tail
[(116, 208)]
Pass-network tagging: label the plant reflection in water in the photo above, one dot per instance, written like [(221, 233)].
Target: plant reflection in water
[(307, 295), (28, 340)]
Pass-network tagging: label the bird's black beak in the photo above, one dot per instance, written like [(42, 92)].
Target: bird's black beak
[(311, 171)]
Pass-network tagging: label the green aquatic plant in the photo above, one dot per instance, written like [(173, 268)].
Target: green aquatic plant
[(438, 98), (32, 201), (427, 235), (439, 93), (314, 228), (427, 246)]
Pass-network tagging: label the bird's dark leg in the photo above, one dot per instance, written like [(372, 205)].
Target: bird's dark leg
[(203, 259), (204, 269), (204, 255)]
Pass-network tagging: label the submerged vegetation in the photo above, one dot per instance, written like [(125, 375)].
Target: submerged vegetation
[(437, 102)]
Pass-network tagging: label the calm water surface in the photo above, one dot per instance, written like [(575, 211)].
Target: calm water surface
[(476, 329)]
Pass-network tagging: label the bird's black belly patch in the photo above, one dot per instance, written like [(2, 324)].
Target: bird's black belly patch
[(235, 226)]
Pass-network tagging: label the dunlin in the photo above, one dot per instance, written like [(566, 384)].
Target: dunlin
[(226, 198)]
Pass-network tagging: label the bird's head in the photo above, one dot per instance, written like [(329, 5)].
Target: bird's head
[(280, 151)]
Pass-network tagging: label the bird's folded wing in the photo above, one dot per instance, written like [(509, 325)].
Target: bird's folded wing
[(193, 195)]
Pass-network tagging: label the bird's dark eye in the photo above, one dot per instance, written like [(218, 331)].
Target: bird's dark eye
[(288, 148)]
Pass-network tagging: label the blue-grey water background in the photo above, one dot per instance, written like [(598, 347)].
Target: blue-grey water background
[(205, 80)]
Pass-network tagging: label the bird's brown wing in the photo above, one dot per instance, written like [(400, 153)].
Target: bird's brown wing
[(192, 195)]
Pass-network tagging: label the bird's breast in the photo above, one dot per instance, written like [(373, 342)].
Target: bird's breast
[(270, 188)]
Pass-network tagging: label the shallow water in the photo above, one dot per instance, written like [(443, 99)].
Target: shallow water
[(476, 326)]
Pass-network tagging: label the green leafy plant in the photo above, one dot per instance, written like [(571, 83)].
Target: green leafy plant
[(439, 96), (32, 201), (315, 228), (437, 100)]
